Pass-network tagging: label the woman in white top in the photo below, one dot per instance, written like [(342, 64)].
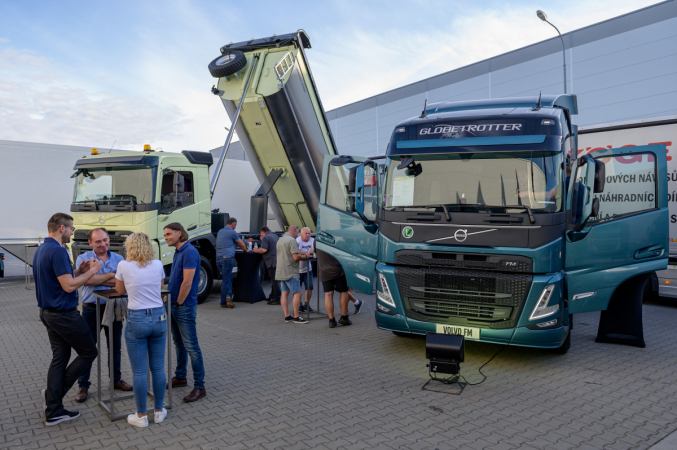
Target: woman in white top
[(141, 277)]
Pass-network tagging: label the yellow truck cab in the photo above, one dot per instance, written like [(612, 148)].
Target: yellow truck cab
[(143, 192)]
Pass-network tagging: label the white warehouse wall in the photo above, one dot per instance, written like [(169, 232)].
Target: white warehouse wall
[(621, 69)]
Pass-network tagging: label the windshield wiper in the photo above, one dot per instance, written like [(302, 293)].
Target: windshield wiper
[(441, 205), (525, 207)]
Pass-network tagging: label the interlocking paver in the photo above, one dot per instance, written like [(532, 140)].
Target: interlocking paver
[(275, 385)]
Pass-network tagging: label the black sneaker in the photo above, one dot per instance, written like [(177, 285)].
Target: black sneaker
[(302, 308), (300, 319), (345, 321), (66, 416), (289, 319), (332, 323), (308, 308), (357, 307)]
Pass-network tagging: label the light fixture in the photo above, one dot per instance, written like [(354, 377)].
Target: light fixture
[(541, 15), (542, 309), (445, 353)]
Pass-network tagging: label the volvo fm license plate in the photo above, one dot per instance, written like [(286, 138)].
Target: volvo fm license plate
[(466, 332)]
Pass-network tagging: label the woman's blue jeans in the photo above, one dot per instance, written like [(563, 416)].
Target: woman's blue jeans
[(146, 337)]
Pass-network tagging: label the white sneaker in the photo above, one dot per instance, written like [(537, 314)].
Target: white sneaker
[(44, 403), (160, 416), (134, 419)]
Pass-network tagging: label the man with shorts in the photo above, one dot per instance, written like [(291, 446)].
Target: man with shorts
[(306, 247), (287, 273), (333, 279)]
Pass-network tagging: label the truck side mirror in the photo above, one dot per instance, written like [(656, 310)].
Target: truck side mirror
[(352, 175), (600, 177), (584, 180), (595, 207), (366, 184)]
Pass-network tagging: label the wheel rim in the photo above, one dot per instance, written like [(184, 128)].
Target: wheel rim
[(225, 59), (202, 285)]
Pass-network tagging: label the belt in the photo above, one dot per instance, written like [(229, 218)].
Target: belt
[(59, 311), (92, 305)]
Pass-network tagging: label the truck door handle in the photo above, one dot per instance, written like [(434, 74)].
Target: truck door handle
[(192, 227), (326, 237), (654, 251)]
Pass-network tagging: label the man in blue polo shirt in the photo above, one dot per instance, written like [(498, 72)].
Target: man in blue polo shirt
[(56, 286), (105, 279), (226, 240), (183, 284)]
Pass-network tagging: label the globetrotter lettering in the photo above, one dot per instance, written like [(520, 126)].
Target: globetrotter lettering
[(444, 129)]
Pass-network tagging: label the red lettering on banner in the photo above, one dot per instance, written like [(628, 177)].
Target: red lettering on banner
[(667, 144)]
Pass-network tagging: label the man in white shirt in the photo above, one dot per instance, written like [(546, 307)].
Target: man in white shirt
[(306, 245)]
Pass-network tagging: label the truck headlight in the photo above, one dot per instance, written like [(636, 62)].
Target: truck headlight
[(542, 309), (383, 294)]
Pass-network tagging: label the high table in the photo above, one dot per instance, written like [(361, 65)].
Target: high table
[(109, 296), (248, 287)]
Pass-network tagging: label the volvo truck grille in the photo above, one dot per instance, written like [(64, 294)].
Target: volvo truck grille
[(479, 298)]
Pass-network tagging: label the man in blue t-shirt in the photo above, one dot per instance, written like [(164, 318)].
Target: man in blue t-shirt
[(226, 240), (56, 286), (183, 284), (100, 241)]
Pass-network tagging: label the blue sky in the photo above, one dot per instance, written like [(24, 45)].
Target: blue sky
[(94, 73)]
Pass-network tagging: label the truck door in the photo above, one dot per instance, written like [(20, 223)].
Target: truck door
[(618, 229), (177, 204), (346, 224)]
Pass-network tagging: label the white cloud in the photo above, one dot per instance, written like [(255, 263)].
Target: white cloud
[(159, 93), (368, 62)]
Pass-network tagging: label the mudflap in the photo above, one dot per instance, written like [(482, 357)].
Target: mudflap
[(621, 322)]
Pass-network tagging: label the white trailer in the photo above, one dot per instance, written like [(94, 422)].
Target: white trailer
[(662, 130)]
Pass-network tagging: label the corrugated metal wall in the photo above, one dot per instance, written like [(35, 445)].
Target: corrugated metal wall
[(621, 69)]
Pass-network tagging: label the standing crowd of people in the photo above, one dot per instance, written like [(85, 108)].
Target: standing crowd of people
[(141, 277)]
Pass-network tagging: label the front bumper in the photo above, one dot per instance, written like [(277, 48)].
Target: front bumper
[(521, 336)]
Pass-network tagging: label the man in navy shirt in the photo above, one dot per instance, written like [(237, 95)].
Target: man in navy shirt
[(105, 279), (183, 284), (56, 287), (226, 240)]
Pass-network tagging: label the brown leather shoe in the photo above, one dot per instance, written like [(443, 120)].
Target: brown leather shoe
[(195, 395), (123, 386), (229, 303), (176, 382), (82, 395)]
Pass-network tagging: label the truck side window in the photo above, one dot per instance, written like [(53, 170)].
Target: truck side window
[(630, 187), (177, 190), (338, 195)]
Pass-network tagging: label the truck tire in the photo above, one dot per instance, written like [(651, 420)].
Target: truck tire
[(206, 280), (227, 64)]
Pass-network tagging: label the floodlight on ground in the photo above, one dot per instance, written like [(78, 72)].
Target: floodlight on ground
[(445, 353)]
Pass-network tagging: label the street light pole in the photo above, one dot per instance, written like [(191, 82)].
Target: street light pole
[(541, 15)]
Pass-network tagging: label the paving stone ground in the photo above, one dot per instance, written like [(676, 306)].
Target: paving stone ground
[(273, 384)]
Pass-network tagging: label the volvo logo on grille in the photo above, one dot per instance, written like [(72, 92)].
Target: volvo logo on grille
[(461, 235), (102, 219)]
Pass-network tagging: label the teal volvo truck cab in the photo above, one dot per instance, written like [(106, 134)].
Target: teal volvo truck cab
[(472, 223)]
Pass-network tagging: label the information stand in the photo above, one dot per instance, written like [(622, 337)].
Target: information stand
[(108, 404), (248, 287)]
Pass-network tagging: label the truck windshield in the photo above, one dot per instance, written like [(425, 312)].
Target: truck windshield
[(474, 182), (121, 185)]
